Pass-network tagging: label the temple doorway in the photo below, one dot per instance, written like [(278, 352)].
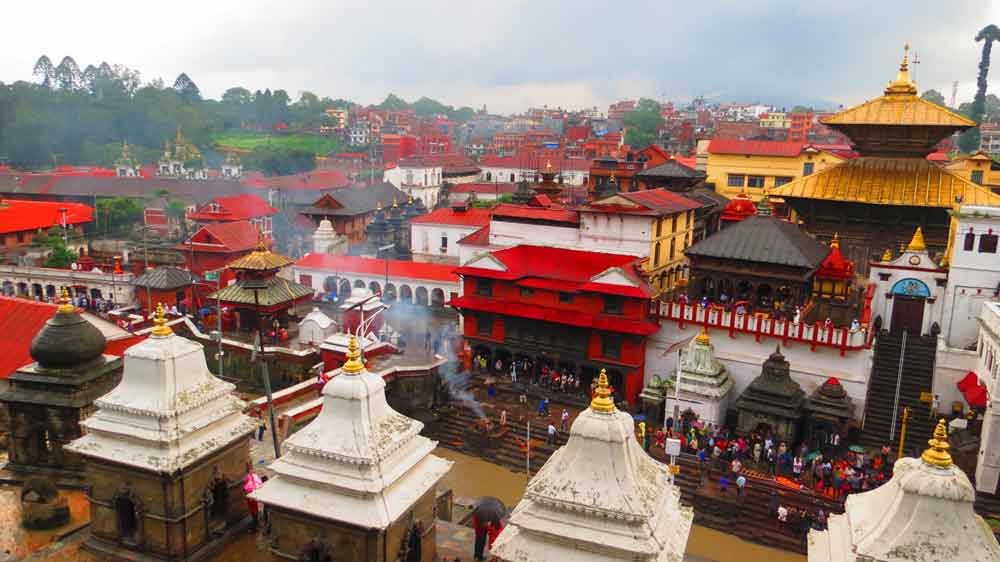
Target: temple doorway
[(128, 524), (907, 314)]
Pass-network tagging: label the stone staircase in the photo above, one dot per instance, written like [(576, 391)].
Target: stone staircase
[(917, 377)]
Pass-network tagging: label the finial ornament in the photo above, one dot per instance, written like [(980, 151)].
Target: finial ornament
[(353, 365), (903, 84), (887, 254), (160, 320), (394, 204), (835, 243), (261, 242), (937, 454), (64, 303), (917, 242), (703, 337), (602, 395)]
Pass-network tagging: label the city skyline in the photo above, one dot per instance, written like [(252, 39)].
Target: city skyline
[(513, 57)]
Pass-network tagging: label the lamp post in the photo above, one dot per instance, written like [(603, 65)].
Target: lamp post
[(256, 285)]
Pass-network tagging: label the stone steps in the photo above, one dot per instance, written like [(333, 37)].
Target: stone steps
[(917, 377)]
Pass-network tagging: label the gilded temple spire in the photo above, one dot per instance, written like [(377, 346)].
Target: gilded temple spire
[(937, 454), (160, 320), (602, 401), (917, 242), (353, 365), (903, 84), (64, 302)]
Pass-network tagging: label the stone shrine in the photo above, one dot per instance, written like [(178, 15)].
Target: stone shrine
[(166, 453), (828, 412), (773, 401), (705, 383), (358, 482), (924, 513), (47, 399), (599, 498)]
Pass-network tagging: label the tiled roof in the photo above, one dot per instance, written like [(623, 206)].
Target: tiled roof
[(316, 179), (278, 291), (755, 148), (235, 208), (197, 191), (759, 239), (20, 320), (472, 216), (889, 181), (707, 197), (227, 237), (17, 215), (494, 188), (532, 213), (513, 162), (480, 237), (358, 200), (895, 109), (559, 316), (576, 268), (653, 202), (260, 260), (165, 277), (398, 269), (671, 169)]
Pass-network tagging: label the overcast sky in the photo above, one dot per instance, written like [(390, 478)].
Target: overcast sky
[(513, 54)]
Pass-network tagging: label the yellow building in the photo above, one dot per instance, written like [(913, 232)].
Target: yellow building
[(978, 168), (775, 120), (753, 166), (660, 218)]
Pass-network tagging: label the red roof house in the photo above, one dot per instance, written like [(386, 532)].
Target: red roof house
[(215, 245), (21, 219), (245, 206)]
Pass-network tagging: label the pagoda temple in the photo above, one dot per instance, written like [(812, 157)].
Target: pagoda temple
[(877, 200), (829, 411), (166, 452), (598, 498), (548, 186), (358, 483), (773, 401), (258, 290), (705, 383), (47, 399), (923, 513), (739, 208)]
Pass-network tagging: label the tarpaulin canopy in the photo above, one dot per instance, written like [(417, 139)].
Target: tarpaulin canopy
[(972, 390)]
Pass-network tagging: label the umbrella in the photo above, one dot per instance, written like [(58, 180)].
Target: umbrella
[(489, 508), (856, 449), (812, 455), (640, 417)]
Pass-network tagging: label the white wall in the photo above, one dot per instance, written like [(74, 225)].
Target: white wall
[(973, 278), (503, 174), (406, 176), (616, 233), (900, 269), (320, 275), (425, 241), (987, 368), (506, 234)]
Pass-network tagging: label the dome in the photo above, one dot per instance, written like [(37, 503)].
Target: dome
[(739, 208), (67, 340)]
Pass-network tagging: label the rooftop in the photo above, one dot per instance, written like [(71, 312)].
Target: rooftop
[(672, 169), (763, 240), (18, 215), (244, 206), (165, 277), (756, 147), (654, 202), (223, 237), (398, 269), (472, 217), (531, 213)]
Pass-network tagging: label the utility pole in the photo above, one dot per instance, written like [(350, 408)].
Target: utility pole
[(256, 285)]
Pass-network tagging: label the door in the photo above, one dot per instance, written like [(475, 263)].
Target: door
[(907, 314)]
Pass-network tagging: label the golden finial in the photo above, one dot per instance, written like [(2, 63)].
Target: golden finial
[(602, 395), (353, 365), (835, 243), (409, 199), (394, 201), (887, 254), (903, 84), (917, 242), (703, 338), (160, 320), (261, 242), (937, 454), (64, 303)]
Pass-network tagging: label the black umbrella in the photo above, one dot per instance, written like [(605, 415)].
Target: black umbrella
[(490, 509)]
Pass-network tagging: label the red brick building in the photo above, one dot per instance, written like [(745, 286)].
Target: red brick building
[(244, 207), (624, 169), (215, 245), (568, 309)]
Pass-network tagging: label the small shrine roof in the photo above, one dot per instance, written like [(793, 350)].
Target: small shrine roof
[(763, 239), (277, 291), (165, 277)]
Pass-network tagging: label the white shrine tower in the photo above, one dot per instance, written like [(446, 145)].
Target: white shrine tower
[(599, 498), (923, 514), (356, 482), (705, 383)]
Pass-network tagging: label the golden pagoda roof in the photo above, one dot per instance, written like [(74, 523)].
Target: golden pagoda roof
[(879, 180), (261, 259), (899, 106)]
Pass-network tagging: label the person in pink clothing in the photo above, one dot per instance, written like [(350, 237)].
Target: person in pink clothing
[(250, 483)]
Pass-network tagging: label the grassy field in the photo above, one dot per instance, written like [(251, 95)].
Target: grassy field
[(246, 142)]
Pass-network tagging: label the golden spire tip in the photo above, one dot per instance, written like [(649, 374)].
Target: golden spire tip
[(64, 303), (160, 320), (937, 454), (602, 401), (917, 242), (353, 365), (703, 337)]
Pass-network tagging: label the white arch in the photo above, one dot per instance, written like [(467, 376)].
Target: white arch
[(421, 297)]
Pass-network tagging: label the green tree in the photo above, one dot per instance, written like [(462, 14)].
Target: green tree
[(177, 210), (642, 125), (392, 102), (118, 214), (59, 254), (969, 141), (934, 96), (276, 162), (187, 89)]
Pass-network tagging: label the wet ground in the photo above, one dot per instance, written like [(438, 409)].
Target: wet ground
[(16, 542)]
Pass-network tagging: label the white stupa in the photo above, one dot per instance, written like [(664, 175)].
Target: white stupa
[(360, 462), (705, 383), (326, 240), (923, 514), (168, 412), (599, 498)]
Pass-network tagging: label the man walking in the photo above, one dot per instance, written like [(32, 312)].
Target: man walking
[(564, 420), (552, 435)]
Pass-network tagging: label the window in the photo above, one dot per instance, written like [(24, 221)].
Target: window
[(614, 305), (444, 242), (656, 255), (673, 223), (755, 181), (526, 292), (673, 249), (781, 180), (20, 237), (659, 227), (306, 280), (807, 168), (988, 244), (611, 346), (736, 180), (970, 242), (484, 287), (977, 177), (484, 325), (690, 220), (565, 298)]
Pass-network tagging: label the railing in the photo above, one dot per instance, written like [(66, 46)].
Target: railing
[(763, 326), (51, 273)]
